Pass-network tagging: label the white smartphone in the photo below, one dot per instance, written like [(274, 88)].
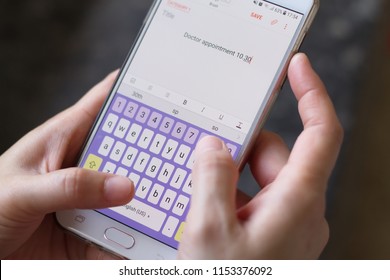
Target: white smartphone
[(198, 67)]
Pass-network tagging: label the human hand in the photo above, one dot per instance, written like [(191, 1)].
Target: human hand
[(285, 220), (36, 180)]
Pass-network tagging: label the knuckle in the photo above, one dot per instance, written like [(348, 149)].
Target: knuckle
[(71, 182)]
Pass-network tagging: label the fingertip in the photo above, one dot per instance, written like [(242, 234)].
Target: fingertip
[(118, 190), (112, 76), (297, 63), (209, 143), (95, 97), (299, 57)]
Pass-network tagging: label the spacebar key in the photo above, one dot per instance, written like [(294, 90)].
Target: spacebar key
[(143, 214)]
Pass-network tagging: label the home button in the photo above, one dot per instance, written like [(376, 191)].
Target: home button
[(119, 237)]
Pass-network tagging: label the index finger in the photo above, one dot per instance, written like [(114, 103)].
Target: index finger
[(91, 103), (81, 116)]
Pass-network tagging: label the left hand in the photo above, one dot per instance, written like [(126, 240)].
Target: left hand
[(35, 180)]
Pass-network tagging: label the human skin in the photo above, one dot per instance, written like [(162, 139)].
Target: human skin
[(284, 221)]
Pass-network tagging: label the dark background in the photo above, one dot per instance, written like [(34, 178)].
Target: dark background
[(52, 52)]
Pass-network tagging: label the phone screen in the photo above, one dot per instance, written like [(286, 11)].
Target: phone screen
[(200, 67)]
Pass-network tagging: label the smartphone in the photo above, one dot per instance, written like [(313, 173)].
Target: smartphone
[(197, 68)]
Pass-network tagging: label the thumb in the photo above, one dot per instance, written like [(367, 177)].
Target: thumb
[(73, 188), (214, 178)]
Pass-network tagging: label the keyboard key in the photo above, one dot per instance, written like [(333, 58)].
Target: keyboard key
[(232, 149), (156, 194), (109, 168), (179, 232), (167, 125), (182, 154), (106, 146), (191, 135), (151, 218), (178, 178), (170, 226), (142, 115), (93, 162), (134, 178), (145, 138), (187, 188), (154, 167), (129, 156), (122, 128), (118, 151), (157, 144), (141, 162), (168, 199), (155, 120), (134, 132), (131, 110), (143, 188), (169, 149), (191, 161), (166, 172), (121, 171), (119, 104), (180, 205), (110, 123), (178, 130)]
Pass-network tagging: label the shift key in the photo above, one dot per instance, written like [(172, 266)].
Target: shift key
[(143, 214)]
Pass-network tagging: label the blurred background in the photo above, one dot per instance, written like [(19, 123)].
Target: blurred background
[(52, 52)]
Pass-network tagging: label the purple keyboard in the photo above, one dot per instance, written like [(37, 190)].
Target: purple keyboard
[(155, 150)]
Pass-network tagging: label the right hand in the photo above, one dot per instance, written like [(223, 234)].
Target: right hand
[(285, 220)]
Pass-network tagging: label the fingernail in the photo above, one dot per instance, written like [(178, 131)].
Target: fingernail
[(209, 143), (117, 189)]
